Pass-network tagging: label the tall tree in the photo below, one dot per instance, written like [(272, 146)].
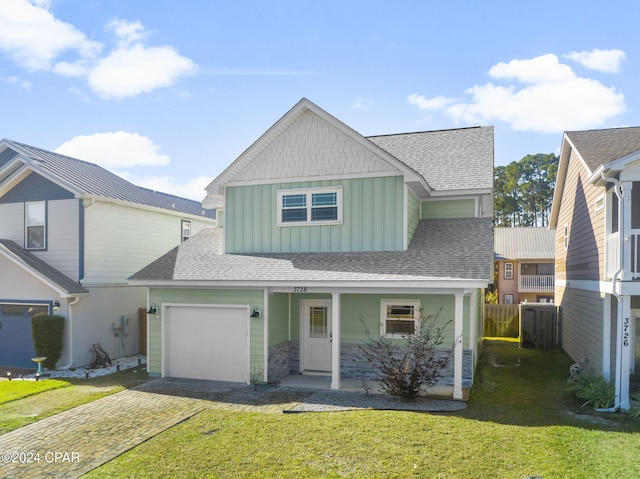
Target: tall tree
[(524, 190)]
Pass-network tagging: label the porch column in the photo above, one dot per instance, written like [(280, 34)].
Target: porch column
[(265, 314), (623, 352), (335, 341), (606, 337), (473, 323), (458, 348)]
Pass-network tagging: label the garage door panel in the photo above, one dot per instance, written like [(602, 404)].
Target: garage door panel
[(207, 343)]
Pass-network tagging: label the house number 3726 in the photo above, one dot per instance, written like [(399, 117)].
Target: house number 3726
[(299, 289), (625, 333)]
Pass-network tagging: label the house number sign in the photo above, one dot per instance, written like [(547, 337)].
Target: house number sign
[(299, 289), (625, 336)]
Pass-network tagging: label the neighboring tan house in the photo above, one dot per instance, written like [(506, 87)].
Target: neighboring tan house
[(70, 234), (596, 215), (328, 235), (524, 264)]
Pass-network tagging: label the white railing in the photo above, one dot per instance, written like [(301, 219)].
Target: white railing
[(612, 256), (536, 283)]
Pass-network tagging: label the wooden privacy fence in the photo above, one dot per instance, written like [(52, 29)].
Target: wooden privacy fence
[(535, 324)]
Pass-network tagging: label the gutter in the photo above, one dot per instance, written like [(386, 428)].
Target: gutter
[(70, 333), (614, 281)]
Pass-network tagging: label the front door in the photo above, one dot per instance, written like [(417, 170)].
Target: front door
[(316, 330)]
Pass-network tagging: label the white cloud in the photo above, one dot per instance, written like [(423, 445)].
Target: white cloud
[(607, 61), (361, 103), (118, 149), (432, 104), (541, 95), (33, 37), (192, 188), (14, 80), (138, 69)]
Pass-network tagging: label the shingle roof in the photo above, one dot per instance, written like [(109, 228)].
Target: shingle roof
[(598, 147), (92, 179), (37, 265), (447, 159), (524, 243), (441, 249)]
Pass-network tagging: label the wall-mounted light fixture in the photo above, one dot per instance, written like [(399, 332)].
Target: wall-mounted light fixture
[(56, 305), (152, 309), (256, 313)]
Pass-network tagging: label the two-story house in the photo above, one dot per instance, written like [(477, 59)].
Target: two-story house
[(596, 215), (325, 236), (70, 234), (525, 264)]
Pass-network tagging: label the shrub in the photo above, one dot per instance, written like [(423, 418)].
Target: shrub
[(594, 390), (412, 365), (635, 410), (48, 334)]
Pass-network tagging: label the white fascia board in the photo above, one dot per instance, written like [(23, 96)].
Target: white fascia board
[(433, 285), (299, 179), (35, 274), (155, 209), (451, 194)]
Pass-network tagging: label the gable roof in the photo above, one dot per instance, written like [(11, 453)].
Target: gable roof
[(441, 250), (46, 273), (86, 179), (441, 156), (524, 243), (421, 157), (602, 152), (598, 147)]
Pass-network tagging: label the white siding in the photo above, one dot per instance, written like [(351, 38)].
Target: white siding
[(120, 240), (12, 224), (63, 237)]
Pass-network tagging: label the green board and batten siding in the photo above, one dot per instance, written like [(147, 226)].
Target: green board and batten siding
[(205, 296), (372, 218), (438, 209)]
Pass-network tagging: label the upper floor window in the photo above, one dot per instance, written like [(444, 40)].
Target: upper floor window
[(186, 230), (400, 317), (508, 271), (36, 225), (310, 206)]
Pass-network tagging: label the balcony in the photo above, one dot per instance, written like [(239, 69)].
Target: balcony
[(612, 256), (536, 283)]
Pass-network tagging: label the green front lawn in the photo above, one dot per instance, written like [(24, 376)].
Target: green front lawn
[(520, 422), (23, 402), (18, 389)]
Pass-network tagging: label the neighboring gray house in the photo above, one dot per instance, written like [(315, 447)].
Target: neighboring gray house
[(327, 235), (70, 234), (596, 216), (524, 264)]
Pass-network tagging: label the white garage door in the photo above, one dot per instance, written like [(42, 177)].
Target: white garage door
[(203, 342)]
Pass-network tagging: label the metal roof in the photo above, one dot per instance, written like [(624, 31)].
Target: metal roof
[(93, 180), (524, 243), (38, 266)]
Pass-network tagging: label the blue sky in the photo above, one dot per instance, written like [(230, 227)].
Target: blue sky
[(167, 93)]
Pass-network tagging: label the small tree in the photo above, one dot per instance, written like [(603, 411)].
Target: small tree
[(48, 334), (412, 365)]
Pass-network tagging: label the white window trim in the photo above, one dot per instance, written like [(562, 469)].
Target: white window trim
[(184, 223), (566, 236), (599, 203), (309, 192), (27, 226), (510, 271), (417, 305)]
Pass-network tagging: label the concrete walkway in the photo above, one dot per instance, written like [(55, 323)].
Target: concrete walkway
[(76, 441)]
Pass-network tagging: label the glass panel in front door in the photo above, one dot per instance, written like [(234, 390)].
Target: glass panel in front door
[(318, 322)]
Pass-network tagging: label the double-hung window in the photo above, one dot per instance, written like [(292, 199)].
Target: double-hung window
[(400, 317), (185, 227), (508, 271), (35, 225), (310, 206)]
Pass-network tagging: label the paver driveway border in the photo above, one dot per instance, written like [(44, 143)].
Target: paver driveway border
[(76, 441)]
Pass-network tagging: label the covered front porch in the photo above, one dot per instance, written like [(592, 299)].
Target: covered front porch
[(313, 335)]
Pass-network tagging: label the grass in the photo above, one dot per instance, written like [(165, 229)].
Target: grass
[(521, 421), (17, 389), (24, 402)]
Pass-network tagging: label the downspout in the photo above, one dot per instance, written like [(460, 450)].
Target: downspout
[(614, 283), (70, 333)]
